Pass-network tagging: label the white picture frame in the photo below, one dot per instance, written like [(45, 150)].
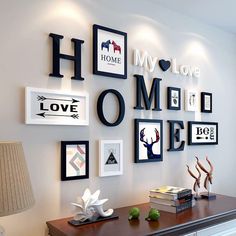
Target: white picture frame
[(191, 100), (110, 157), (53, 107)]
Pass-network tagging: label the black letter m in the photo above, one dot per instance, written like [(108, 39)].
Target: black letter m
[(141, 89)]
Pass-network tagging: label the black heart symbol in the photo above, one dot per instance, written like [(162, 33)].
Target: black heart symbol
[(165, 65)]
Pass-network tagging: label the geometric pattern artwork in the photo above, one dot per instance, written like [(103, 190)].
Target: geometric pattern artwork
[(74, 160), (78, 161), (111, 159)]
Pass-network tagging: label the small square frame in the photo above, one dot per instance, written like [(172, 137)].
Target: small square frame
[(110, 157), (206, 102), (202, 133), (146, 151), (173, 98), (109, 52), (74, 160)]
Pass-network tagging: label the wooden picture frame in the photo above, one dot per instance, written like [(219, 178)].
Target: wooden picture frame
[(53, 107), (74, 160), (173, 98), (206, 102), (110, 157), (191, 100), (202, 133), (109, 52), (148, 140)]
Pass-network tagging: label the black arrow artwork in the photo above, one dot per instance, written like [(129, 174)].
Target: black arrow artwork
[(42, 98), (44, 114)]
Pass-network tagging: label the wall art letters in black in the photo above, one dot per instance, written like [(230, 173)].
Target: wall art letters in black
[(154, 94), (121, 107), (57, 56), (175, 135)]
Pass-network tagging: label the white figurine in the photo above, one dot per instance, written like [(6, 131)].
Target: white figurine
[(90, 205)]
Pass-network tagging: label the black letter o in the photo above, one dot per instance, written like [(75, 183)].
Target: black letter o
[(100, 107)]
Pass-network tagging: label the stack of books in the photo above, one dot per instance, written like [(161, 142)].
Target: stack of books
[(171, 199)]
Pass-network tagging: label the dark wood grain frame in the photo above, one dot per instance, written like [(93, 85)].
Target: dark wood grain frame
[(96, 28), (190, 138), (137, 140), (169, 105), (64, 145), (203, 94)]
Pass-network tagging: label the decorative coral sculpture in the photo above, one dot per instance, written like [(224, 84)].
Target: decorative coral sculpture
[(89, 204), (208, 179), (196, 185)]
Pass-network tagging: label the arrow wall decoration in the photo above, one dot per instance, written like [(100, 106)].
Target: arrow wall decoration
[(44, 114), (42, 98)]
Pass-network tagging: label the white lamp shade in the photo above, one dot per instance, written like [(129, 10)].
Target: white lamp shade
[(16, 193)]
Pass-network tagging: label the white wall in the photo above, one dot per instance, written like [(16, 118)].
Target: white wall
[(25, 60)]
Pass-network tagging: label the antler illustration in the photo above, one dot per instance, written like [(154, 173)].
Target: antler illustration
[(209, 173), (142, 135), (197, 179), (157, 136)]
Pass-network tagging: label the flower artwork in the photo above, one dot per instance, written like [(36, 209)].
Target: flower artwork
[(88, 205)]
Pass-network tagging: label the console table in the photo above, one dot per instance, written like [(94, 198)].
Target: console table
[(204, 214)]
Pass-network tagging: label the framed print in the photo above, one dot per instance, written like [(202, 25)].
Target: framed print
[(74, 160), (191, 100), (173, 98), (148, 140), (206, 102), (111, 157), (109, 52), (50, 107), (202, 133)]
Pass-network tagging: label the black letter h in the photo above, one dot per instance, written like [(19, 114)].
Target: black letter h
[(57, 56)]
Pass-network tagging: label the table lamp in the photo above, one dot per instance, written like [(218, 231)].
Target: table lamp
[(16, 193)]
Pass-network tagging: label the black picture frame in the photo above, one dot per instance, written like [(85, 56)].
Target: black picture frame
[(105, 61), (74, 159), (206, 102), (202, 133), (173, 103), (147, 152)]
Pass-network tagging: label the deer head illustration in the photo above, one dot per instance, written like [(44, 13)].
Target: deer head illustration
[(149, 146)]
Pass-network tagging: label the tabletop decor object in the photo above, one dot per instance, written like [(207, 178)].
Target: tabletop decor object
[(196, 184), (15, 186), (153, 215), (208, 180), (90, 209), (134, 213)]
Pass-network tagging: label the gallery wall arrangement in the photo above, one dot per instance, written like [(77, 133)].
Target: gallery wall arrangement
[(110, 60), (51, 95)]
